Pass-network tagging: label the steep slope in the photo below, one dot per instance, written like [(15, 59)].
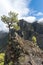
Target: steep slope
[(33, 54)]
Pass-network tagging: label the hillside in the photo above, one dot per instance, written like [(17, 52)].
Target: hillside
[(32, 29), (32, 53)]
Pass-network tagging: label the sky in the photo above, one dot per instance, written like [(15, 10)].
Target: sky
[(30, 10)]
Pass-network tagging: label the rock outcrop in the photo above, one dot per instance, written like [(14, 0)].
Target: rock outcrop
[(33, 55)]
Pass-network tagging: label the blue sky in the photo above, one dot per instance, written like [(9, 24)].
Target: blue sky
[(30, 10), (25, 8), (37, 5)]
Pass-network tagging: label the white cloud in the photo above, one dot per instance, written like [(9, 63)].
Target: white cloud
[(40, 20), (19, 6), (32, 12), (3, 27), (30, 19), (38, 14), (4, 7)]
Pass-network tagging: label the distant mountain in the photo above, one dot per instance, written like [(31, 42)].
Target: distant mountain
[(3, 40), (2, 34), (3, 43), (26, 31), (41, 23), (31, 29)]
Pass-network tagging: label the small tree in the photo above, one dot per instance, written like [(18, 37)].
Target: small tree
[(11, 19)]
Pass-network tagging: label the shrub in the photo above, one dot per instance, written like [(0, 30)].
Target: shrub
[(2, 58), (34, 39)]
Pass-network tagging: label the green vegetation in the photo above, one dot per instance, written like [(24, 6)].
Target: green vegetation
[(11, 20), (34, 40), (2, 58)]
